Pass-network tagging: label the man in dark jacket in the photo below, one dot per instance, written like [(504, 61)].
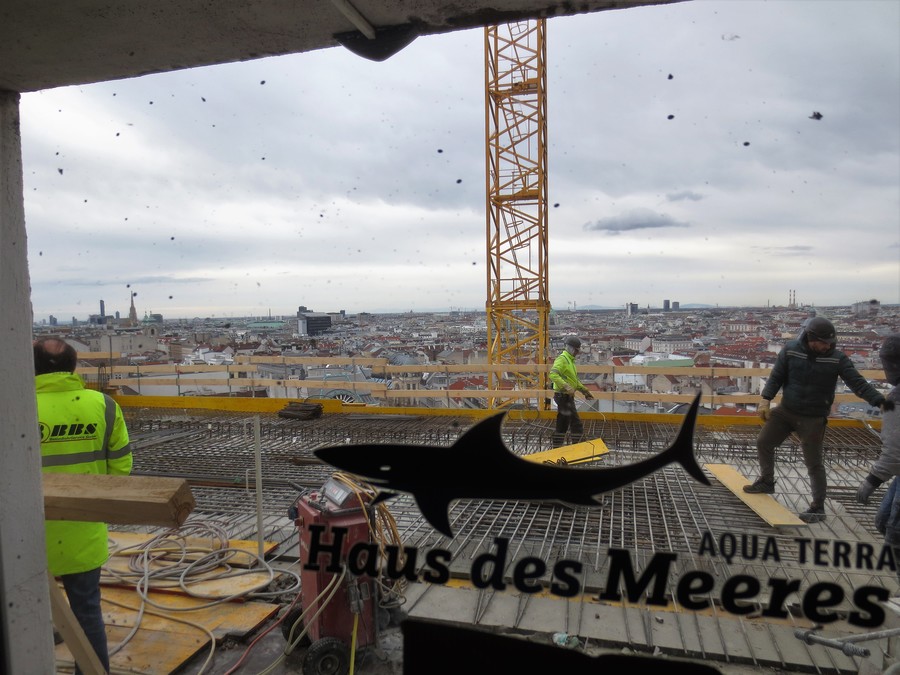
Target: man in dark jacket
[(806, 370)]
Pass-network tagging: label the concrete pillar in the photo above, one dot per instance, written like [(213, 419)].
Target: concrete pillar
[(27, 642)]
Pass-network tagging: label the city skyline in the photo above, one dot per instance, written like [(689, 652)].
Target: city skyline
[(707, 152), (655, 308)]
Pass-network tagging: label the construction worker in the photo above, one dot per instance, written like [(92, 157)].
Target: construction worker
[(565, 381), (806, 370), (887, 466), (82, 431)]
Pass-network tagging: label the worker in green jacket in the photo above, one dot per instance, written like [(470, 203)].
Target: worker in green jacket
[(564, 377), (82, 431)]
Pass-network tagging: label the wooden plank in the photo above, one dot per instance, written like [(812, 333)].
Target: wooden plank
[(765, 506), (570, 454), (119, 500), (73, 635)]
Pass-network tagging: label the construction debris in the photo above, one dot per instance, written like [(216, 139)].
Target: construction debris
[(296, 410)]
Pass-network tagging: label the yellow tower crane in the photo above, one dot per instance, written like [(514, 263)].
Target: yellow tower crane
[(518, 303)]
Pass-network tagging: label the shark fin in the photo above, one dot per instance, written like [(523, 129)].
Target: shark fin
[(436, 513), (483, 436), (683, 447)]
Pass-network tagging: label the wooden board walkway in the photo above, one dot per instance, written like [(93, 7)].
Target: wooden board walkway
[(765, 506), (570, 454)]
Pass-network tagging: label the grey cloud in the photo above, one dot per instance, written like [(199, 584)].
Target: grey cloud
[(135, 283), (797, 249), (684, 195), (637, 219)]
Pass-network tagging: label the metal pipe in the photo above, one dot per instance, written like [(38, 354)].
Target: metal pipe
[(849, 649), (863, 637), (259, 493)]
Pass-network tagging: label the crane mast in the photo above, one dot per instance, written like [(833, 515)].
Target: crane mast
[(518, 305)]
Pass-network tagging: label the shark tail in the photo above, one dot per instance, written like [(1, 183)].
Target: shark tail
[(682, 449)]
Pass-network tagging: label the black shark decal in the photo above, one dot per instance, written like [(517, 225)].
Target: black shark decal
[(480, 466)]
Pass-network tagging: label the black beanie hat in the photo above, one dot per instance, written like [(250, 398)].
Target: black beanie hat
[(890, 358)]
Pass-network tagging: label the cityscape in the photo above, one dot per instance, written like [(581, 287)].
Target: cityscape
[(332, 354)]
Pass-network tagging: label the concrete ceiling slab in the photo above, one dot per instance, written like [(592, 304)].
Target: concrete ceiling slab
[(55, 43)]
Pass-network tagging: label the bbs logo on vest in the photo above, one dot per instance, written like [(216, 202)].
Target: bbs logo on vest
[(66, 432)]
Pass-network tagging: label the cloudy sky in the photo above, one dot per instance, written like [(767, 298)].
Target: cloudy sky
[(329, 181)]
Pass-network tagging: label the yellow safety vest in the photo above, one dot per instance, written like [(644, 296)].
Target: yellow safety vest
[(82, 431), (563, 372)]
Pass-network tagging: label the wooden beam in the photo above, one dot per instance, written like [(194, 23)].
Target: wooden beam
[(765, 506), (119, 500), (72, 633)]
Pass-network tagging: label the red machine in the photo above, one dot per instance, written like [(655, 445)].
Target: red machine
[(325, 517)]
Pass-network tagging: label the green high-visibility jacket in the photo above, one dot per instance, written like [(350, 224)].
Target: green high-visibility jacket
[(82, 431), (563, 373)]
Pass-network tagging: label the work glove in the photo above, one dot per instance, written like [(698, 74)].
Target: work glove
[(763, 409), (887, 406), (866, 488), (588, 395)]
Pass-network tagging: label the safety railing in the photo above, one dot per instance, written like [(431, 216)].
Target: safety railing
[(377, 381)]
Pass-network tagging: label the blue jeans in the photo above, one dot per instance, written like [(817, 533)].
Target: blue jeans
[(887, 519), (83, 591)]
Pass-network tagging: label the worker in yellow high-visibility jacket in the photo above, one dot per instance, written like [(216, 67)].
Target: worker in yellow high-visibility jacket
[(82, 431), (564, 377)]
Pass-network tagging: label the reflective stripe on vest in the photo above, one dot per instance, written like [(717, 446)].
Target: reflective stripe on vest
[(102, 454)]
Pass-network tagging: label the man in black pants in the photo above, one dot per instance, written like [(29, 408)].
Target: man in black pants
[(806, 370), (565, 381)]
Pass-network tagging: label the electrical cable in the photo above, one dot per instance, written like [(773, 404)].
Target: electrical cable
[(167, 561), (384, 532), (174, 560), (353, 643), (330, 588)]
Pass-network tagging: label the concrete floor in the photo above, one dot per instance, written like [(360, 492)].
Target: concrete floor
[(668, 512), (387, 658)]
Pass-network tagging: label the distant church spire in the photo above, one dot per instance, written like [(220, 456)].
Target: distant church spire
[(132, 312)]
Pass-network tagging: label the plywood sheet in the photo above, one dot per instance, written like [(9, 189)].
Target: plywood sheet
[(765, 506), (570, 454), (163, 644)]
